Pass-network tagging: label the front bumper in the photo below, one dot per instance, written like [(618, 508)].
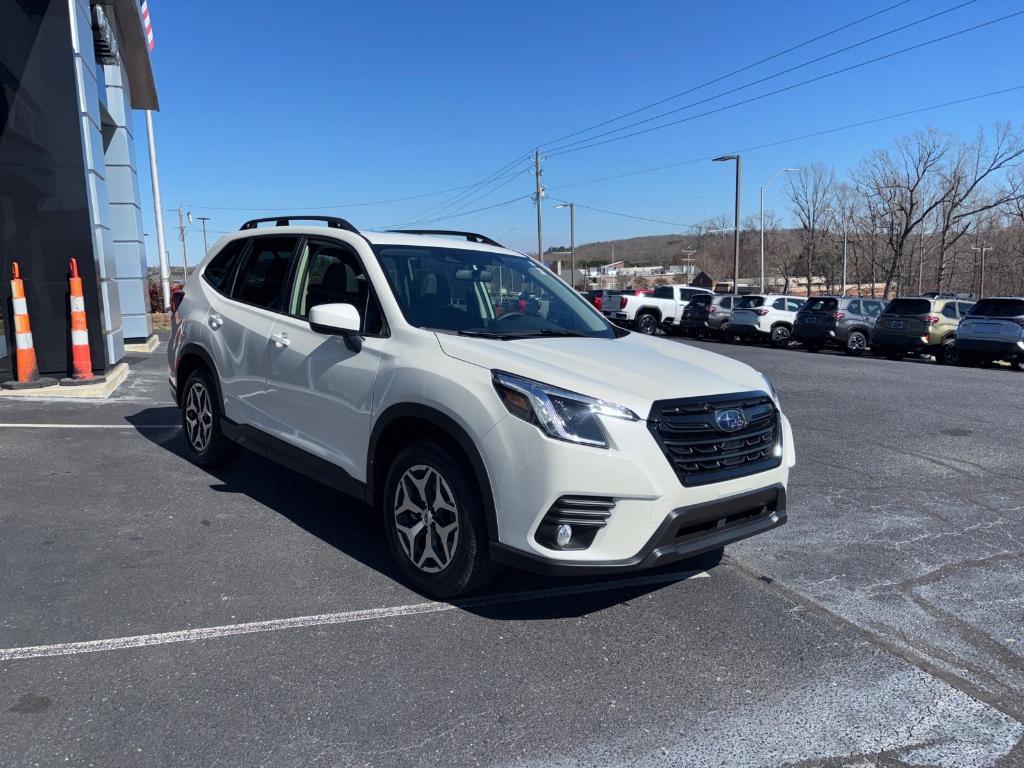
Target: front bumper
[(634, 473), (996, 349), (685, 533)]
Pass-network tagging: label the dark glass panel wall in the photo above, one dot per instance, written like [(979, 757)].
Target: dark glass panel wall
[(44, 210)]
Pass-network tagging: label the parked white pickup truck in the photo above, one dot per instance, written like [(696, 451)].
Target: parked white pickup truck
[(646, 313)]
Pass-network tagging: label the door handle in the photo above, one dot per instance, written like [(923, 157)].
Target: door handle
[(215, 321), (281, 339)]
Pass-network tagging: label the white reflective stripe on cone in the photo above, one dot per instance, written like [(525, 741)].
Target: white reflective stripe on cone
[(79, 338), (23, 340), (20, 306), (77, 304)]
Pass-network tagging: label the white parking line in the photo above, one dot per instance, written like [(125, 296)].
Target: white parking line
[(324, 619), (89, 426)]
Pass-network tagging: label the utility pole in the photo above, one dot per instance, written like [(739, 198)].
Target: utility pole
[(539, 194), (181, 234), (736, 229), (158, 210), (204, 219), (983, 248), (846, 232)]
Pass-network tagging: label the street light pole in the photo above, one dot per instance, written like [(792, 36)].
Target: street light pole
[(736, 229), (777, 174)]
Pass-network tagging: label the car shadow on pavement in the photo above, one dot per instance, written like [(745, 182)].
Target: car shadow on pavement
[(355, 531)]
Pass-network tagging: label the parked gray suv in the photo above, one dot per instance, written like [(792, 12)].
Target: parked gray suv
[(845, 322), (706, 315)]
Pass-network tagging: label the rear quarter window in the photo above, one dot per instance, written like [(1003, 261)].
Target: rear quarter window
[(218, 271)]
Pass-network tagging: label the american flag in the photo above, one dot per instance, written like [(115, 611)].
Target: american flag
[(147, 24)]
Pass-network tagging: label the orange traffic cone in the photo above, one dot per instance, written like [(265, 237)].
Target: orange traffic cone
[(81, 356), (25, 361)]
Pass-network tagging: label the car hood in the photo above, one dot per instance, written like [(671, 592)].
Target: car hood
[(633, 370)]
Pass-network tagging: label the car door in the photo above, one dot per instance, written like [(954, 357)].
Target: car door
[(320, 386), (239, 324)]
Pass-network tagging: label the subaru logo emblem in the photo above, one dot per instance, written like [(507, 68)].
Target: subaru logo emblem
[(730, 420)]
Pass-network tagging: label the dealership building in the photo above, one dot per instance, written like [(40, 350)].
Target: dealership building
[(71, 72)]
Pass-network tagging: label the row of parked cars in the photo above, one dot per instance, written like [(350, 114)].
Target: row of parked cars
[(953, 328)]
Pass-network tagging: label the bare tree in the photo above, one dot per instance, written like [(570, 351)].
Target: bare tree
[(902, 188), (810, 195), (966, 195)]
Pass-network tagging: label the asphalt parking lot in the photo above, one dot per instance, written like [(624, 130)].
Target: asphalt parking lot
[(153, 613)]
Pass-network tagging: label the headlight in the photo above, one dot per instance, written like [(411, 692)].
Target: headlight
[(563, 415), (770, 389)]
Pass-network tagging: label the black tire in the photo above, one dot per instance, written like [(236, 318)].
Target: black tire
[(781, 336), (458, 561), (201, 415), (856, 343), (647, 324), (725, 333), (948, 354)]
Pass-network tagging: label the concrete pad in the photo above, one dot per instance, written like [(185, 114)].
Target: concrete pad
[(101, 390), (147, 346)]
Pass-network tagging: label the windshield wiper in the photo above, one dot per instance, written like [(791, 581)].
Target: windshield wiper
[(544, 332)]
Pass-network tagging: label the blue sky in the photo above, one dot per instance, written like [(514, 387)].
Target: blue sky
[(264, 106)]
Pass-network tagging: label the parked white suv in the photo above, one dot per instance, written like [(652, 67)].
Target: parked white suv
[(389, 365), (765, 317), (646, 312)]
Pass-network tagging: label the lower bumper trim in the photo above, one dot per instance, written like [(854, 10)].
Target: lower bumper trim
[(686, 532)]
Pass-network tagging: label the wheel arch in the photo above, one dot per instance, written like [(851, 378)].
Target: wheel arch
[(191, 357), (403, 422), (650, 310)]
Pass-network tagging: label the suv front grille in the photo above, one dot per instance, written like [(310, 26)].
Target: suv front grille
[(702, 452)]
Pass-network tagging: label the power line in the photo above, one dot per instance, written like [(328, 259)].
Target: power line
[(780, 73), (471, 201), (466, 213), (793, 86), (790, 139), (626, 215), (730, 74)]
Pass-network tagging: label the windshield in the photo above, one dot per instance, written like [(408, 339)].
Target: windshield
[(750, 302), (479, 293)]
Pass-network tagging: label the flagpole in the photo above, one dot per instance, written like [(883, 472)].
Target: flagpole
[(154, 175)]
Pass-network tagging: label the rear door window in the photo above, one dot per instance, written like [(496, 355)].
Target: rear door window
[(726, 302), (872, 308), (998, 308), (263, 272), (663, 292), (854, 308), (909, 307), (779, 304), (795, 305)]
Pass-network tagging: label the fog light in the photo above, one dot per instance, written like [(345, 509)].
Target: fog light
[(563, 535)]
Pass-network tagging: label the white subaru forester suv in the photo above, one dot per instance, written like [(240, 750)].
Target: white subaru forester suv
[(484, 408)]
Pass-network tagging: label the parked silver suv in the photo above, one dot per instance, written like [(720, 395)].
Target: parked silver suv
[(845, 322), (706, 315)]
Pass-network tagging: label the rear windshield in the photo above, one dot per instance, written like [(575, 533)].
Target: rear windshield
[(701, 300), (909, 307), (822, 305), (750, 302), (998, 308)]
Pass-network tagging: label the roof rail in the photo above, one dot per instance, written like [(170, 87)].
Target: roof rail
[(472, 237), (284, 221)]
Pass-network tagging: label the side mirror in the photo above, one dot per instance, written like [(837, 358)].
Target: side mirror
[(337, 319)]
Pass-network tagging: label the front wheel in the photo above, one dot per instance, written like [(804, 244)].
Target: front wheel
[(856, 343), (725, 333), (781, 336), (434, 517), (201, 422), (647, 324)]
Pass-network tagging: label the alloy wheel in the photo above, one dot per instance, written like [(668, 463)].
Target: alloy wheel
[(648, 325), (198, 417), (426, 518), (781, 336), (856, 342)]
